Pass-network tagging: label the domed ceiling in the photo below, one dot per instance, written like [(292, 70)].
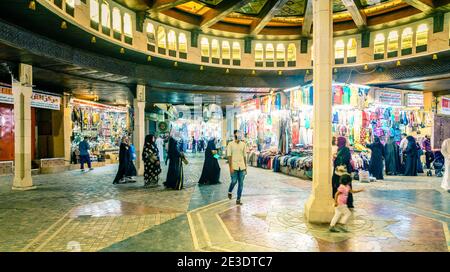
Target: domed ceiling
[(282, 17)]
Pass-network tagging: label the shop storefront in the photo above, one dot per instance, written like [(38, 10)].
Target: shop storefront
[(46, 127), (280, 131), (104, 126)]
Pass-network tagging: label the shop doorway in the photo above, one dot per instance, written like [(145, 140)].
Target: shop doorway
[(43, 132)]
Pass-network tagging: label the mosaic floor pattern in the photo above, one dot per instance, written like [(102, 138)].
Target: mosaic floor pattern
[(74, 211)]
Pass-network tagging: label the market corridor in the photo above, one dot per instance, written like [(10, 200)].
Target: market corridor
[(75, 211)]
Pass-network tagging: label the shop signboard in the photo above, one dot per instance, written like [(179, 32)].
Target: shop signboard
[(38, 99), (389, 98), (163, 127), (250, 105), (98, 105), (414, 100), (445, 106)]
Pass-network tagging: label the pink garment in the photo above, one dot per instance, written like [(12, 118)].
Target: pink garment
[(343, 196)]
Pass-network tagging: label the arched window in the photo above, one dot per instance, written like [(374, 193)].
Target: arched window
[(259, 52), (215, 50), (270, 52), (339, 49), (127, 27), (378, 47), (94, 11), (236, 51), (421, 38), (162, 38), (182, 43), (226, 51), (351, 48), (172, 40), (117, 20), (106, 16), (204, 47), (291, 52), (392, 44), (281, 52), (150, 29), (407, 38)]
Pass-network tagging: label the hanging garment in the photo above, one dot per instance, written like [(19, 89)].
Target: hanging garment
[(338, 94), (347, 93)]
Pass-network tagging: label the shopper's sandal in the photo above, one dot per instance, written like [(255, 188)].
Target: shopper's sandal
[(230, 195), (238, 202)]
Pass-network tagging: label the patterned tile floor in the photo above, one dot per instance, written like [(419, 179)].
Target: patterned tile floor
[(75, 211)]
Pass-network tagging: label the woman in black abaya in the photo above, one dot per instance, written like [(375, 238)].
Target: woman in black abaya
[(411, 157), (211, 168), (175, 176), (376, 159), (392, 157), (126, 166)]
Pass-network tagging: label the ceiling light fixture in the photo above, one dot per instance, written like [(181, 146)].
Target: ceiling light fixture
[(149, 58), (63, 25), (398, 63), (93, 39), (366, 67), (435, 57), (122, 50), (32, 5)]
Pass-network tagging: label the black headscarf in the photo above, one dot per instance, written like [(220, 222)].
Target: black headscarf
[(172, 152), (149, 140)]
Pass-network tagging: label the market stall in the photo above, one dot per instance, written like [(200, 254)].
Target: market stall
[(104, 125), (280, 134)]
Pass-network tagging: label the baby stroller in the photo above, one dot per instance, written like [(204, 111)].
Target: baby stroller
[(438, 165)]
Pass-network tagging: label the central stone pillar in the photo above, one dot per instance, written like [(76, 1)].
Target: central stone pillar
[(22, 92), (139, 127), (67, 128), (319, 207)]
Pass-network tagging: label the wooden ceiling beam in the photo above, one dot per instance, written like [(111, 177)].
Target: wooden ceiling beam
[(266, 14), (355, 9), (221, 11), (422, 5), (307, 19), (161, 5)]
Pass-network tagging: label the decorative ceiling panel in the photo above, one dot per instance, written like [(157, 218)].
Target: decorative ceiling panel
[(193, 7), (338, 6), (253, 8), (368, 3), (292, 8)]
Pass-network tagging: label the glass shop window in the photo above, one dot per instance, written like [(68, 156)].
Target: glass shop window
[(291, 52), (259, 52), (127, 26), (150, 29), (94, 11), (281, 52), (182, 43), (117, 20), (392, 44), (407, 39), (162, 40), (236, 53), (378, 47), (106, 16), (421, 38), (270, 52), (339, 51), (215, 51), (172, 40), (204, 49), (351, 48), (226, 51)]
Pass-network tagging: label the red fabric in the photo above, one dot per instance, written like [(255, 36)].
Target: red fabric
[(338, 94)]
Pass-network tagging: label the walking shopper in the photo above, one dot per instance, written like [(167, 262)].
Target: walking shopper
[(211, 168), (160, 145), (237, 159), (152, 162), (84, 154), (429, 156), (341, 210), (194, 145), (342, 162), (411, 157), (445, 150), (402, 147), (392, 157), (376, 159), (126, 170), (175, 177)]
